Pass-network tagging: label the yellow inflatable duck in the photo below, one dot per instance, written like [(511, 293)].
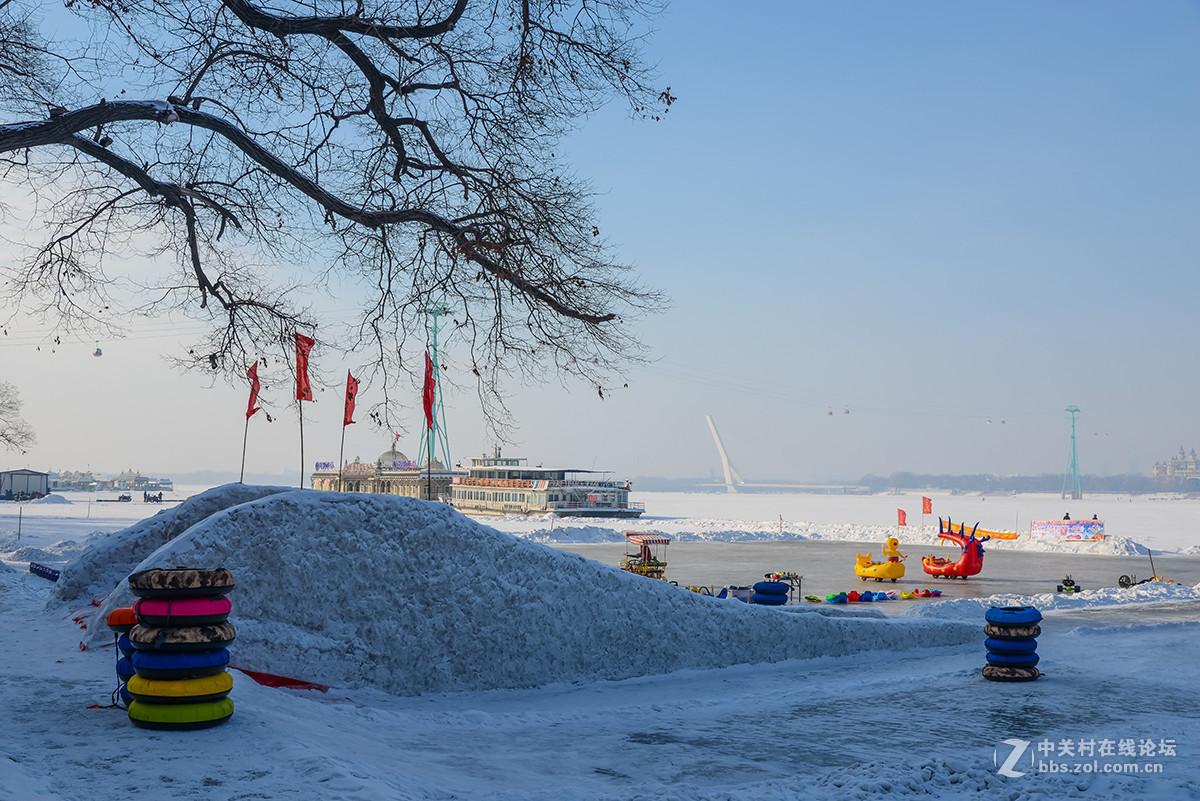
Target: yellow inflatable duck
[(891, 569)]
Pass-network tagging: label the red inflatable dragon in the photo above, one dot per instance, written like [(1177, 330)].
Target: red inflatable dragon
[(969, 564)]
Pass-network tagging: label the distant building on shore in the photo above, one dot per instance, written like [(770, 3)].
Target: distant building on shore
[(23, 484), (85, 481), (392, 473), (1183, 469)]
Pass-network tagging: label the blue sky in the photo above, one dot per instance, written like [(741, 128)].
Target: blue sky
[(930, 214)]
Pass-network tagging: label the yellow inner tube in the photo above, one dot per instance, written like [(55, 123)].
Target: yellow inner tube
[(163, 691)]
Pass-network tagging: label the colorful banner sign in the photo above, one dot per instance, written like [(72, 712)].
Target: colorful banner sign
[(1082, 530)]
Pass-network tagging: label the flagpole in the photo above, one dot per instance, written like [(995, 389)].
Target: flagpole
[(342, 459), (245, 436), (301, 443)]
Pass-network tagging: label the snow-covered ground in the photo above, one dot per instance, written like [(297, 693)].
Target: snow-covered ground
[(463, 661)]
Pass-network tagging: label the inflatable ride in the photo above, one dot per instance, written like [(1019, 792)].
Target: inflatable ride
[(891, 569), (959, 528), (969, 562)]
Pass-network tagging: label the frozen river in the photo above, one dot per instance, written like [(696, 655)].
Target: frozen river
[(827, 567)]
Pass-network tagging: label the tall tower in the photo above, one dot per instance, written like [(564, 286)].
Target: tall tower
[(434, 442), (1072, 474), (731, 475)]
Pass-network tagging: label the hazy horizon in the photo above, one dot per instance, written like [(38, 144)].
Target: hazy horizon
[(903, 240)]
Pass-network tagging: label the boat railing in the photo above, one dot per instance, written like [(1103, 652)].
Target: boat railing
[(607, 484), (594, 505)]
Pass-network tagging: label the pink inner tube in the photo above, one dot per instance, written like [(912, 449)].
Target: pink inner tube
[(181, 611)]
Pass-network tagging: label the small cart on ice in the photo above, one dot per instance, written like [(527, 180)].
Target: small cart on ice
[(649, 557)]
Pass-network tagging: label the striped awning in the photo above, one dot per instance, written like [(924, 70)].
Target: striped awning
[(641, 538)]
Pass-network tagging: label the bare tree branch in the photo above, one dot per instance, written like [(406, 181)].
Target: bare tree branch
[(404, 153)]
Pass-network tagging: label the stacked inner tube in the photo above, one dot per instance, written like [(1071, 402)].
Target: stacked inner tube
[(181, 648), (121, 621), (770, 593), (1011, 643)]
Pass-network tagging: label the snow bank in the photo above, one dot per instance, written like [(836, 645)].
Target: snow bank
[(412, 597), (568, 530), (110, 559), (12, 550), (45, 500), (974, 608)]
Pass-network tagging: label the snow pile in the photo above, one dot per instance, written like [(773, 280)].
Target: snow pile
[(11, 550), (110, 559), (576, 530), (45, 500), (411, 597), (975, 608)]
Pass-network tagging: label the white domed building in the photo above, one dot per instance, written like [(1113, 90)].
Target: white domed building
[(392, 473)]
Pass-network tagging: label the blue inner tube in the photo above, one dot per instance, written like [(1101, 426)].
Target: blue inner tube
[(1013, 615), (125, 668), (125, 645), (180, 664), (773, 587), (768, 600), (1012, 660), (1011, 646)]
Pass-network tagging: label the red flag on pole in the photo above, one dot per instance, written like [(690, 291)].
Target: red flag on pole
[(303, 346), (351, 394), (903, 517), (926, 505), (252, 374), (427, 395)]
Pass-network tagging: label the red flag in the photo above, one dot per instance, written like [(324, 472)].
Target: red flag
[(903, 517), (351, 394), (252, 374), (427, 395), (926, 505), (303, 346)]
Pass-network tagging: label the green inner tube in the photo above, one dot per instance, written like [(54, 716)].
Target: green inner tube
[(180, 717)]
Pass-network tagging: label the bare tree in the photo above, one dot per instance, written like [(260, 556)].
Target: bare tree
[(15, 433), (400, 154)]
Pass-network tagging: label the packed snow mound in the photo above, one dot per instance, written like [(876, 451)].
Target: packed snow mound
[(110, 559), (412, 597)]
